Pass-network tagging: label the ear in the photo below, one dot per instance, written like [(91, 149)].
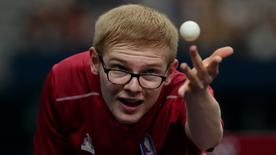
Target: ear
[(172, 68), (94, 61)]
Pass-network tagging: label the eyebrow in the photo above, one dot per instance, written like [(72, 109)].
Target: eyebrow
[(125, 62)]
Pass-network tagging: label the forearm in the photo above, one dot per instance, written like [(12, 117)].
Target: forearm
[(203, 124)]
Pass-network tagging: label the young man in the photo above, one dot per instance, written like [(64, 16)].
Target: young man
[(125, 95)]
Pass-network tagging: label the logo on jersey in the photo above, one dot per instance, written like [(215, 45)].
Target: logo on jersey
[(87, 144), (147, 147)]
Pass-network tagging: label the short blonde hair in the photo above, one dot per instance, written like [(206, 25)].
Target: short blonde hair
[(136, 25)]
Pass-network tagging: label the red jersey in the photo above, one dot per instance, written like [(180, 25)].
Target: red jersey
[(74, 119)]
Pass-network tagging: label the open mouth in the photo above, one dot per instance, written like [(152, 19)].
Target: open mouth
[(130, 102), (130, 106)]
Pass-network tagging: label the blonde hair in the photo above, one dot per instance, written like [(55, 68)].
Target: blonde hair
[(136, 25)]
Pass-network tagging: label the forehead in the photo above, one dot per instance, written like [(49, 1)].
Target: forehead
[(133, 53)]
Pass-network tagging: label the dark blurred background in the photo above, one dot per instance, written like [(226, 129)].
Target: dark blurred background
[(35, 34)]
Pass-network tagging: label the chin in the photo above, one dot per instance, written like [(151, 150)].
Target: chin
[(128, 120)]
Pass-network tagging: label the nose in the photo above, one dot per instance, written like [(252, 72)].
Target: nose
[(133, 85)]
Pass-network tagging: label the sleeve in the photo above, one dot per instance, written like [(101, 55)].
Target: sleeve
[(49, 138), (178, 143)]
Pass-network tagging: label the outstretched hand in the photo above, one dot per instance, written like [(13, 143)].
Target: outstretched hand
[(204, 71)]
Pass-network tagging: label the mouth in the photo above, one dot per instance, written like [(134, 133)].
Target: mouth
[(130, 105)]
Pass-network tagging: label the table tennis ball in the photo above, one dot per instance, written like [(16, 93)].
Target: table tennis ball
[(189, 30)]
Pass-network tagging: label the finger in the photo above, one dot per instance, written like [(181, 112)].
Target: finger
[(213, 67), (191, 75), (223, 52), (188, 71), (196, 58), (197, 62), (183, 89)]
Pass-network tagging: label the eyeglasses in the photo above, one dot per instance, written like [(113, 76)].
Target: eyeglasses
[(122, 77)]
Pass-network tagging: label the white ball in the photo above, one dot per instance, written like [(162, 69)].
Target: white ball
[(189, 30)]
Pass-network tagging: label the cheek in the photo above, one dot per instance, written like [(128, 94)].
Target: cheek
[(105, 87), (108, 89), (152, 97)]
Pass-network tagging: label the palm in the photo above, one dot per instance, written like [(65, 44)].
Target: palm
[(204, 71)]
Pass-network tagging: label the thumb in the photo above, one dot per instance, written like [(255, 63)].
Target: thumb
[(183, 89)]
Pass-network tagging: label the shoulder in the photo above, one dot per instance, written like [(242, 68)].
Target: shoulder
[(172, 103), (72, 76), (72, 62), (178, 78), (71, 67)]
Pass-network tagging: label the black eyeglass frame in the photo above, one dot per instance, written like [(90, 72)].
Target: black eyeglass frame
[(137, 75)]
